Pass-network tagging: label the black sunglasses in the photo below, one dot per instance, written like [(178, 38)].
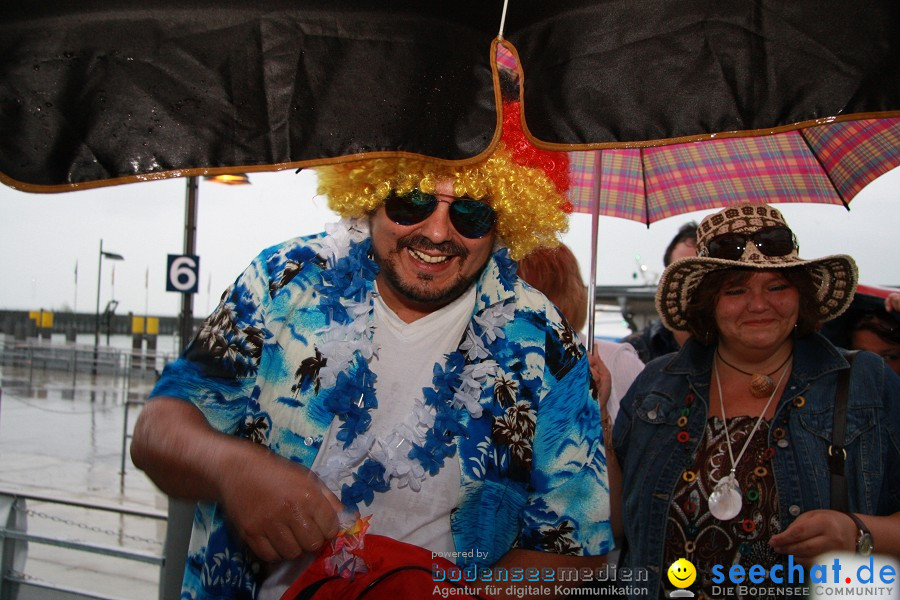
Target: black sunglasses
[(771, 241), (472, 219)]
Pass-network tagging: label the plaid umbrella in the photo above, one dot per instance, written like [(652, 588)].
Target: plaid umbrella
[(826, 164)]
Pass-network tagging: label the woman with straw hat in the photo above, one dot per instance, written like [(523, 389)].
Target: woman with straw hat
[(725, 446)]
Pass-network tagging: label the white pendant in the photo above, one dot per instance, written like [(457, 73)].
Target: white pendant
[(725, 501)]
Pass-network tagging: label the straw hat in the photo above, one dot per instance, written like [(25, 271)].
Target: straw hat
[(835, 276)]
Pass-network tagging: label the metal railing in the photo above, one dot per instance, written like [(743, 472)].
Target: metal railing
[(127, 376), (80, 359), (15, 583)]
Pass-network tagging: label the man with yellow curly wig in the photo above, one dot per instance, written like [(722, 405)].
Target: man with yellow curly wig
[(400, 359)]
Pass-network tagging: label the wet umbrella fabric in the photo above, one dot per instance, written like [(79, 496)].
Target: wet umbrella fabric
[(617, 70), (109, 92), (104, 90)]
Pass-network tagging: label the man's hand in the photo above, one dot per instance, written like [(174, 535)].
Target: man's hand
[(279, 507)]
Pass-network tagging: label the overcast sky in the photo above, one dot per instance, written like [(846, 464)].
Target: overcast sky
[(43, 236)]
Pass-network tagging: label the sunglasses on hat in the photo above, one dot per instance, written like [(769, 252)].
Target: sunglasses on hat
[(776, 240), (472, 219)]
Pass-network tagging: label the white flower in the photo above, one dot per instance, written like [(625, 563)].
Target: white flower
[(469, 400), (393, 453), (336, 244), (358, 229), (491, 326), (339, 466), (424, 416), (472, 346)]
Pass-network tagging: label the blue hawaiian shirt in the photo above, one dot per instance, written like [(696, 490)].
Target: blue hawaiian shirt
[(533, 464)]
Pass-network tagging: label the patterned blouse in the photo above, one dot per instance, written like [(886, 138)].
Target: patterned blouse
[(693, 533)]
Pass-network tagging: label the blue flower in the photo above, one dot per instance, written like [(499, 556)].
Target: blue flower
[(433, 397), (356, 288), (368, 479), (447, 422), (447, 377), (428, 456), (333, 310), (354, 423)]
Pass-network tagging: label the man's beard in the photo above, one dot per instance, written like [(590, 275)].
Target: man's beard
[(420, 291)]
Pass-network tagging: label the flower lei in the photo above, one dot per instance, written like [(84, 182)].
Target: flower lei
[(416, 447)]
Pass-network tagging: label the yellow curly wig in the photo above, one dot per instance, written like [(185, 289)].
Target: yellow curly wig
[(529, 207)]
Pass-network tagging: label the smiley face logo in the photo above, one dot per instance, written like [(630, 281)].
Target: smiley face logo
[(682, 573)]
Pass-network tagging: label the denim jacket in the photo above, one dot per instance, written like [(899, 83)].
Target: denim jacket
[(652, 458)]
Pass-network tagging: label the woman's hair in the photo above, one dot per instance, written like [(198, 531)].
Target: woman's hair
[(702, 304), (555, 272), (881, 323), (686, 232)]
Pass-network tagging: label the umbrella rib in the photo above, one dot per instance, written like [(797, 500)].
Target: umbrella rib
[(815, 155), (646, 193)]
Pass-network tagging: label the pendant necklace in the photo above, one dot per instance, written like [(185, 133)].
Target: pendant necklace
[(726, 500), (761, 385)]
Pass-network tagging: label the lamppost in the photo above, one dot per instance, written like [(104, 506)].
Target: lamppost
[(110, 256), (186, 317)]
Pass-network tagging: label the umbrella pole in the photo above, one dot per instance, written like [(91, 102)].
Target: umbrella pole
[(595, 222), (503, 19)]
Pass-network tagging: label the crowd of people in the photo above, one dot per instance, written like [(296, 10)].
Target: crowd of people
[(418, 372)]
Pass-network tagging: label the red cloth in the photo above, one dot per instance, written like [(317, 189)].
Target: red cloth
[(382, 555)]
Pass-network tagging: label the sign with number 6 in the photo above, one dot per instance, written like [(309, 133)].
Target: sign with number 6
[(183, 273)]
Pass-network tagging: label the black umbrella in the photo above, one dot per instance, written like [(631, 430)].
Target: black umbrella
[(101, 92), (600, 73)]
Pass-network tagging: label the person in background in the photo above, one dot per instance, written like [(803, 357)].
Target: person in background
[(655, 340), (878, 332), (724, 446), (892, 302), (394, 365), (872, 323)]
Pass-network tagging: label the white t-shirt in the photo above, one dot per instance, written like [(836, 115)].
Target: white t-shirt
[(624, 365), (403, 363)]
